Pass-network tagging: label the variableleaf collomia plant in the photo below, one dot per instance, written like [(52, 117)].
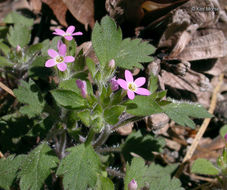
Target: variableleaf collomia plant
[(68, 107)]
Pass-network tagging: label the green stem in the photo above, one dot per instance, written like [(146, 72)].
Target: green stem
[(90, 137)]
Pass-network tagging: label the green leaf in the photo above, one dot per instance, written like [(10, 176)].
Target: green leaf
[(181, 111), (85, 117), (28, 93), (69, 85), (153, 83), (104, 183), (5, 62), (80, 168), (5, 49), (112, 114), (143, 106), (133, 52), (16, 18), (68, 99), (19, 35), (155, 176), (8, 170), (203, 166), (108, 44), (142, 145), (91, 66), (223, 131), (37, 167), (34, 49)]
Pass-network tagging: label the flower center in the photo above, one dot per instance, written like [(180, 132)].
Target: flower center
[(59, 59), (67, 34), (132, 86)]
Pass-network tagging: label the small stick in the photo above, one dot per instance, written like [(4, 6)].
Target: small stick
[(7, 89), (206, 121), (202, 129)]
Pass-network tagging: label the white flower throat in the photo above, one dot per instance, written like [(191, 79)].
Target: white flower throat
[(59, 59), (132, 86)]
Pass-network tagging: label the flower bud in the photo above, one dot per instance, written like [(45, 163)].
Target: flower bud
[(112, 64), (82, 85), (225, 137), (114, 85), (18, 49), (132, 185)]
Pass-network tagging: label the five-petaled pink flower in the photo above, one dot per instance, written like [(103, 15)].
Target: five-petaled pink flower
[(59, 58), (68, 35), (132, 86)]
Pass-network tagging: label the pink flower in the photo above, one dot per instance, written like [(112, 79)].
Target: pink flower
[(82, 85), (132, 185), (132, 86), (113, 84), (68, 35), (59, 58)]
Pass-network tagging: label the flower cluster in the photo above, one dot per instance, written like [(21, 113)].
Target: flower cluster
[(59, 58)]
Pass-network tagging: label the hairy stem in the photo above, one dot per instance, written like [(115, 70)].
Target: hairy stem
[(102, 137)]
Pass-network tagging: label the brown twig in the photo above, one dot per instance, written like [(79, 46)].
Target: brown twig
[(7, 89), (203, 127)]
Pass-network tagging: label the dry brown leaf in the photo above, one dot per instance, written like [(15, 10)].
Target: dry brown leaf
[(36, 5), (126, 129), (82, 10), (59, 9), (190, 82)]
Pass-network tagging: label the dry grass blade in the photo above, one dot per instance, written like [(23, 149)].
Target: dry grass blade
[(7, 89), (206, 122)]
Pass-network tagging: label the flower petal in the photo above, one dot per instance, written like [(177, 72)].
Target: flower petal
[(69, 38), (131, 94), (69, 59), (50, 63), (59, 43), (122, 83), (140, 81), (143, 91), (52, 53), (59, 32), (128, 76), (62, 49), (70, 29), (77, 34), (62, 66)]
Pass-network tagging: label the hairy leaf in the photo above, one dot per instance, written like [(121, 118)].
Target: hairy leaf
[(180, 112), (19, 35), (143, 106), (112, 114), (142, 145), (68, 99), (104, 183), (108, 44), (8, 170), (80, 168), (203, 166), (155, 176), (28, 93), (16, 18), (37, 167)]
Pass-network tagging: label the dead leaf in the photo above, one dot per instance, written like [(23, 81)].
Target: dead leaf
[(191, 82), (126, 129), (59, 9), (82, 10), (36, 5)]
